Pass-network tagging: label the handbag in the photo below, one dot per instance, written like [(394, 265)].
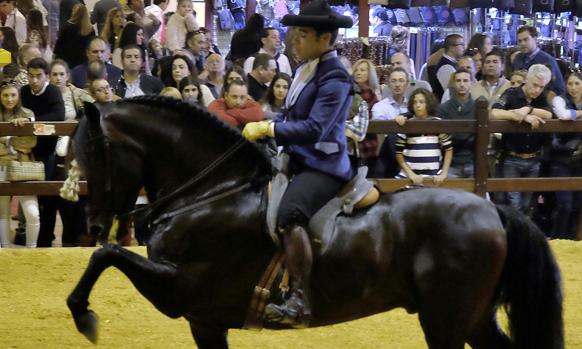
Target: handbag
[(19, 171), (563, 6), (225, 19), (23, 144), (460, 16), (414, 16), (428, 15), (443, 15), (4, 149), (543, 5), (522, 7)]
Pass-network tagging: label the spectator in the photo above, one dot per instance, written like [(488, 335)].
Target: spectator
[(421, 156), (461, 106), (157, 10), (74, 37), (290, 52), (149, 23), (396, 102), (565, 156), (11, 110), (156, 52), (401, 60), (181, 68), (247, 41), (12, 18), (176, 29), (215, 74), (8, 42), (380, 23), (399, 42), (236, 108), (264, 69), (195, 43), (132, 34), (517, 78), (210, 46), (113, 27), (46, 102), (494, 83), (522, 151), (133, 83), (274, 100), (100, 10), (531, 54), (270, 44), (98, 50), (101, 91), (436, 53), (439, 75), (37, 34), (482, 43), (171, 92), (52, 18), (72, 213), (66, 9), (26, 53), (96, 70), (234, 73), (466, 63), (190, 90)]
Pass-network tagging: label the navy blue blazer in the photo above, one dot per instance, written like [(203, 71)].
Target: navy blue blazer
[(313, 129)]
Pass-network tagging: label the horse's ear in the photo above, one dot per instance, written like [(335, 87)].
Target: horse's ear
[(92, 113)]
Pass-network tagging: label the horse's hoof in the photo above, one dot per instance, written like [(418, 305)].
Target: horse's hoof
[(87, 325)]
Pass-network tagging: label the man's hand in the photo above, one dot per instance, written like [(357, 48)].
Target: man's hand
[(534, 121), (400, 120), (257, 130)]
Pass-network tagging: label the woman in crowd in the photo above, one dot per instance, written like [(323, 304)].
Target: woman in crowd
[(274, 99), (11, 110), (517, 78), (234, 73), (113, 27), (74, 36), (183, 67), (132, 34), (8, 42), (37, 33), (180, 23), (190, 90), (421, 156), (565, 159)]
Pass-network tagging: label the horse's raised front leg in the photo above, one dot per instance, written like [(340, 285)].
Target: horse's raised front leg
[(150, 278), (209, 337)]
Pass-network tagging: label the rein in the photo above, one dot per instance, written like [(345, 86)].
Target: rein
[(201, 175)]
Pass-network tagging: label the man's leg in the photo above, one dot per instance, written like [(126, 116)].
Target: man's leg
[(531, 169), (512, 169)]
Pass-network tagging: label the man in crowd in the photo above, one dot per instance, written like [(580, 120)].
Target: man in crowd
[(98, 50), (195, 44), (236, 108), (26, 53), (379, 20), (531, 54), (132, 82), (439, 74), (401, 60), (466, 63), (270, 44), (46, 103), (157, 10), (99, 13), (396, 102), (11, 17), (461, 106), (101, 91), (214, 73), (522, 151), (264, 69), (494, 83)]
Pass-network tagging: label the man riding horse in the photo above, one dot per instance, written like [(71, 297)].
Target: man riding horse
[(312, 131)]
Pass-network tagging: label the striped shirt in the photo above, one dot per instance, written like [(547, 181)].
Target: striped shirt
[(423, 153)]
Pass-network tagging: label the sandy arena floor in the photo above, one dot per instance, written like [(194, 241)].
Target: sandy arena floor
[(35, 283)]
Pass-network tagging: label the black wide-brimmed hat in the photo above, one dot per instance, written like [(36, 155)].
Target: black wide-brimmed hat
[(319, 15)]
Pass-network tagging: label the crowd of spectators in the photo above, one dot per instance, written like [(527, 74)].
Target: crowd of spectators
[(62, 56)]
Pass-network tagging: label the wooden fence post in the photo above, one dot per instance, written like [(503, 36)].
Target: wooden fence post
[(481, 145)]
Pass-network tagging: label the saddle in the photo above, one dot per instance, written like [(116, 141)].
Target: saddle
[(358, 194)]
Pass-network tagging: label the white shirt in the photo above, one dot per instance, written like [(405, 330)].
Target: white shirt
[(388, 109), (282, 62), (17, 22), (155, 10), (133, 89)]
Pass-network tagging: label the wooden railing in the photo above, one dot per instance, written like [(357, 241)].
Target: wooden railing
[(481, 184)]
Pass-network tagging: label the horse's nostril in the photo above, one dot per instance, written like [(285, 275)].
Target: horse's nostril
[(95, 230)]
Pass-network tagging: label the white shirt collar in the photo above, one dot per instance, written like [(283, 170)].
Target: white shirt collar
[(41, 90)]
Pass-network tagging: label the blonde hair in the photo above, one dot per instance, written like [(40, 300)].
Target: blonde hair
[(108, 31), (372, 76), (171, 92), (80, 18), (18, 111)]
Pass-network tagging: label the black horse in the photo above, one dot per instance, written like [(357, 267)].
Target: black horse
[(448, 255)]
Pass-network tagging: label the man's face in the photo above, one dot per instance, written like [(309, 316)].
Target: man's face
[(458, 47), (307, 44), (197, 43), (462, 84), (266, 74), (527, 44), (6, 7), (215, 63), (467, 64), (97, 51), (272, 41), (398, 83), (37, 78), (132, 60), (102, 91), (492, 66), (136, 5), (399, 60), (236, 96), (534, 86)]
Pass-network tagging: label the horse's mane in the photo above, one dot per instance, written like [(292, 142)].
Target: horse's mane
[(194, 117)]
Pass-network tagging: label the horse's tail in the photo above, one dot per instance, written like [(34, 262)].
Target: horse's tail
[(531, 290)]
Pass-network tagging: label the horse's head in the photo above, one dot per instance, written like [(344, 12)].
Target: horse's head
[(113, 170)]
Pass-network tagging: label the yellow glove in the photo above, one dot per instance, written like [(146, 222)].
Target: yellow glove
[(257, 130)]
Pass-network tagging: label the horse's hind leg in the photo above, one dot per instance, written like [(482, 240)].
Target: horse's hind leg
[(209, 338), (150, 278), (488, 335)]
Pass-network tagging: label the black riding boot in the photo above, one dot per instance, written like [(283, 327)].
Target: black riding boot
[(296, 310)]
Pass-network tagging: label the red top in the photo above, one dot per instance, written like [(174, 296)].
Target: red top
[(240, 116)]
